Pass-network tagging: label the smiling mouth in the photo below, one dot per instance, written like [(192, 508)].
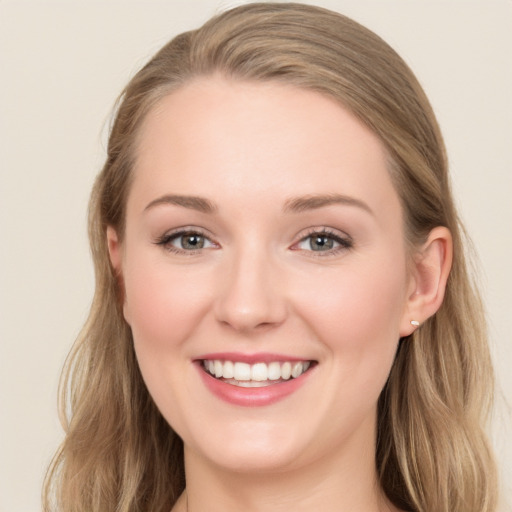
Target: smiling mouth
[(255, 375)]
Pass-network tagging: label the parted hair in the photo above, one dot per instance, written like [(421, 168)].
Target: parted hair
[(432, 454)]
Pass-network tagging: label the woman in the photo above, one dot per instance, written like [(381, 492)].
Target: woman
[(283, 317)]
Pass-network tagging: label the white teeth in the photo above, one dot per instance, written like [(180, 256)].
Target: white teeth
[(242, 371), (296, 370), (246, 375), (218, 368), (286, 371), (274, 371), (259, 372), (247, 383), (228, 370)]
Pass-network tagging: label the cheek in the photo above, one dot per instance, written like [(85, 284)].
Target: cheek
[(357, 300), (356, 312), (163, 305)]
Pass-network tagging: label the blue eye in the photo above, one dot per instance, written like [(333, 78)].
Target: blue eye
[(185, 241), (189, 241), (324, 242)]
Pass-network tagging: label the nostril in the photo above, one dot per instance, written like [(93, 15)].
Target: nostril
[(258, 317), (249, 296)]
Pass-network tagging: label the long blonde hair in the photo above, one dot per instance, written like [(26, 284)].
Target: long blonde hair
[(432, 453)]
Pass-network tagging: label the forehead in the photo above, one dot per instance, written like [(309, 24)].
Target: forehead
[(250, 139)]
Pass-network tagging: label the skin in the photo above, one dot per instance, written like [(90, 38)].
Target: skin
[(258, 285)]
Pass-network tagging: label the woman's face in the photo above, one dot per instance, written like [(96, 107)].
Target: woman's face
[(264, 243)]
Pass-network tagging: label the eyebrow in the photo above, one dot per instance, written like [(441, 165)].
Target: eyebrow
[(293, 205), (314, 201), (192, 202)]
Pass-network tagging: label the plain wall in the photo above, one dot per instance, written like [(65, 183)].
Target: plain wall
[(62, 64)]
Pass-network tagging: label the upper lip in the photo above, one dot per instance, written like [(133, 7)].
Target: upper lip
[(258, 357)]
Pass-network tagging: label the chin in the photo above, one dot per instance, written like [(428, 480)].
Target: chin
[(256, 461), (253, 448)]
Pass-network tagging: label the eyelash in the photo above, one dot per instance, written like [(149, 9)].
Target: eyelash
[(166, 241), (344, 242)]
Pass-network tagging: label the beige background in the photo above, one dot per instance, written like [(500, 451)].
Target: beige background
[(62, 65)]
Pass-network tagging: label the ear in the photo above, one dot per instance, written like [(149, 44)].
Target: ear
[(116, 258), (429, 274), (114, 249)]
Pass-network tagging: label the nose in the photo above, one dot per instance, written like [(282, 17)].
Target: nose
[(250, 294)]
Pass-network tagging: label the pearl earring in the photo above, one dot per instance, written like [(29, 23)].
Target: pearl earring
[(415, 323)]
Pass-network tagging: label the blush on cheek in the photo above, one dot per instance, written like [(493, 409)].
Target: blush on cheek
[(164, 304), (355, 306)]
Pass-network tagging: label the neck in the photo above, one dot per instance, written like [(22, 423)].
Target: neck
[(336, 482)]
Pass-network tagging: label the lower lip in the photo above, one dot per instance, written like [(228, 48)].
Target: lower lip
[(252, 397)]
